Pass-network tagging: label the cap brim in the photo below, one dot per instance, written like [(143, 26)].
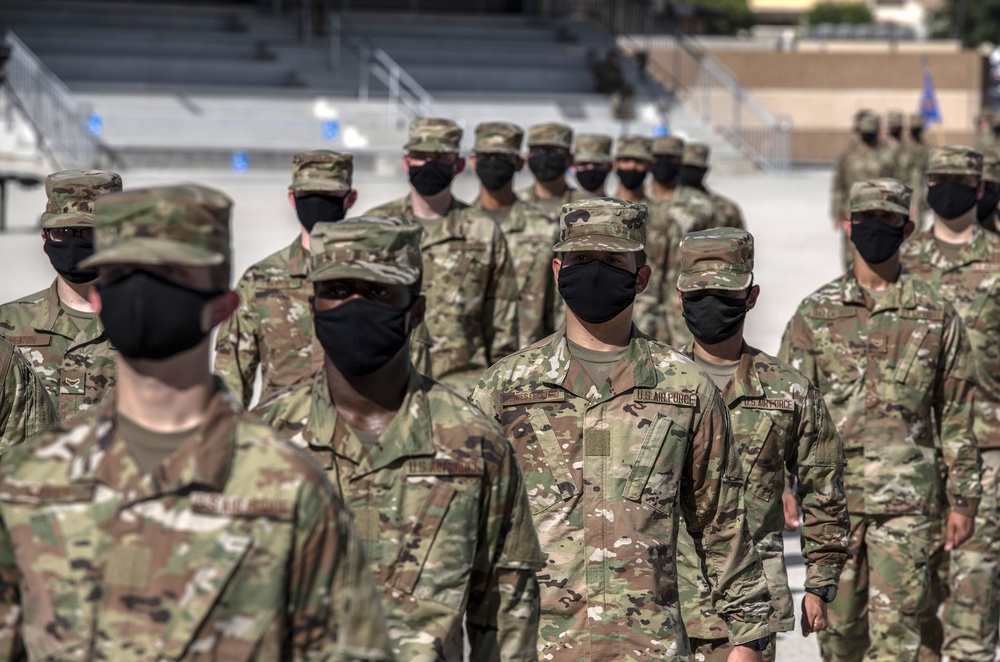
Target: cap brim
[(153, 250), (495, 150), (955, 171), (880, 205), (598, 242), (390, 274), (72, 220), (434, 148), (591, 158), (319, 185), (714, 280), (547, 143), (634, 156)]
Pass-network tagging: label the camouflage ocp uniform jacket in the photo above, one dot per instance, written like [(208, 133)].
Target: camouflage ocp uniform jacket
[(701, 210), (972, 285), (657, 308), (859, 162), (471, 292), (440, 504), (25, 407), (235, 548), (780, 423), (609, 469), (77, 367), (550, 207), (727, 213), (530, 236), (889, 375), (272, 329)]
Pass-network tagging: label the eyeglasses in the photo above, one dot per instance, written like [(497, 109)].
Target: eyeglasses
[(59, 235)]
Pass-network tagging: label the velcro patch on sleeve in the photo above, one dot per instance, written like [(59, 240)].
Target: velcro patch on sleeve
[(204, 503), (511, 399), (664, 397)]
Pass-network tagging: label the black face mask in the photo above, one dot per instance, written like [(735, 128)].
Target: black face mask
[(316, 207), (896, 133), (65, 255), (950, 199), (876, 241), (987, 205), (591, 180), (432, 177), (711, 318), (870, 139), (148, 317), (665, 171), (631, 179), (548, 166), (596, 292), (917, 134), (360, 336), (495, 173), (692, 176)]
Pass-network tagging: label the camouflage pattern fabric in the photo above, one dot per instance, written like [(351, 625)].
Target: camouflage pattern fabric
[(858, 162), (550, 206), (498, 138), (530, 235), (954, 160), (471, 292), (780, 423), (440, 504), (634, 147), (701, 210), (76, 366), (550, 134), (991, 166), (322, 171), (592, 148), (236, 547), (972, 285), (70, 196), (668, 146), (433, 134), (652, 307), (609, 468), (602, 224), (727, 213), (885, 194), (887, 369), (273, 328), (716, 259), (25, 407)]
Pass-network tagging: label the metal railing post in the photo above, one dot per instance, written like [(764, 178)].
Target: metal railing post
[(335, 41), (364, 58), (393, 97)]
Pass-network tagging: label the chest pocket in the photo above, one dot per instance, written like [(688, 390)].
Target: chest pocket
[(467, 260), (918, 363), (987, 294), (548, 474), (651, 483), (761, 455), (283, 310), (436, 554)]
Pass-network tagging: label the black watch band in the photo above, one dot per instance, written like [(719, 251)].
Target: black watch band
[(760, 645), (825, 593)]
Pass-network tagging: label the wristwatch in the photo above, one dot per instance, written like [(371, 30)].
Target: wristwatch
[(760, 645), (826, 593)]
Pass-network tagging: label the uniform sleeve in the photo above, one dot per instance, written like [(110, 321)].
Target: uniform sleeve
[(818, 465), (11, 643), (954, 392), (335, 609), (26, 409), (649, 306), (484, 395), (237, 351), (500, 305), (794, 350), (504, 593), (837, 193), (713, 508)]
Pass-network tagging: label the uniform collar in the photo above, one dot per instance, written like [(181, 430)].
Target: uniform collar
[(746, 384), (901, 293), (298, 259), (635, 370), (928, 253), (51, 318), (451, 228)]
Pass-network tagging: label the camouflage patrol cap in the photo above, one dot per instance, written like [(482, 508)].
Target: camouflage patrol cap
[(716, 259), (433, 134), (668, 146), (602, 224), (372, 248), (498, 138), (954, 160), (884, 194), (322, 170), (696, 155), (184, 224), (917, 120), (592, 148), (634, 147), (991, 165), (867, 123), (894, 119), (71, 195), (550, 134)]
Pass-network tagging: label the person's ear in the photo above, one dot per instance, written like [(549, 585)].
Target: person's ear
[(472, 161), (642, 277), (752, 297), (908, 228), (459, 166), (350, 199), (219, 309), (417, 311), (518, 164), (291, 200), (846, 223), (556, 266), (406, 162), (45, 238)]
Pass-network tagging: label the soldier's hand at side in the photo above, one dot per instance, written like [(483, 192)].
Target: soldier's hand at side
[(790, 504), (813, 614), (744, 654), (959, 530)]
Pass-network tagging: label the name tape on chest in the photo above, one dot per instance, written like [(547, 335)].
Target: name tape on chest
[(467, 246), (988, 267), (663, 397), (528, 397), (832, 312), (36, 340), (444, 468), (230, 506), (781, 404)]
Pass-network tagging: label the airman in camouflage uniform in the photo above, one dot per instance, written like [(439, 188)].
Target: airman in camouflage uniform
[(272, 330), (25, 407), (892, 359), (866, 158), (592, 163), (548, 159), (469, 279), (780, 423), (666, 186), (618, 438), (694, 167), (911, 164), (961, 261), (231, 544), (894, 137), (988, 207), (988, 130), (55, 328), (434, 486), (530, 233)]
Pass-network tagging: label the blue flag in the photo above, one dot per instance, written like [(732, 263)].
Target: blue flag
[(928, 101)]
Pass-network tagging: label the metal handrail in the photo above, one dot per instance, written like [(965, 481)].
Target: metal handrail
[(60, 123)]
